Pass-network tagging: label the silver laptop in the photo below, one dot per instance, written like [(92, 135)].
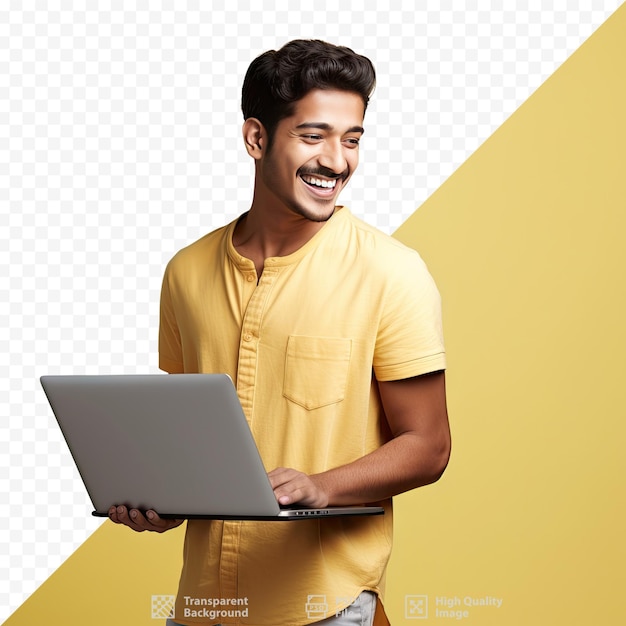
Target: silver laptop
[(179, 444)]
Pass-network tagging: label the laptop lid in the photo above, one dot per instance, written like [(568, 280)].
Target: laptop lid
[(179, 444)]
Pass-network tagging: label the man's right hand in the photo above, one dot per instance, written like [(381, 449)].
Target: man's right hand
[(139, 522)]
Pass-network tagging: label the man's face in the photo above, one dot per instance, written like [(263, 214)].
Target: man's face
[(313, 153)]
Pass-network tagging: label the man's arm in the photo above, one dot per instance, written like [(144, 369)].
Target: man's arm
[(417, 454)]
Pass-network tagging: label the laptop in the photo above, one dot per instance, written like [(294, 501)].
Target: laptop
[(179, 444)]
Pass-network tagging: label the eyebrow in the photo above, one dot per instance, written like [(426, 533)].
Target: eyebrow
[(328, 127)]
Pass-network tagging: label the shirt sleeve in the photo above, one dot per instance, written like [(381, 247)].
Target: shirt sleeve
[(170, 345), (410, 335)]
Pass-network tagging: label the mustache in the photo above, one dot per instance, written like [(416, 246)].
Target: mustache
[(323, 171)]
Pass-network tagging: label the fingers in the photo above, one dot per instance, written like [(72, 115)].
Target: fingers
[(291, 486), (282, 475), (285, 483), (131, 518), (139, 522)]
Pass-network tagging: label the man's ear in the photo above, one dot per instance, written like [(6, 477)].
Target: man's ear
[(254, 137)]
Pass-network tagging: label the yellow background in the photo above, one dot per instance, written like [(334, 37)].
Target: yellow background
[(526, 242)]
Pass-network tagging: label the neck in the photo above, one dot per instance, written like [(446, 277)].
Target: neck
[(269, 234), (272, 229)]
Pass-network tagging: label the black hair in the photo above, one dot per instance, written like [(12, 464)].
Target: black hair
[(277, 79)]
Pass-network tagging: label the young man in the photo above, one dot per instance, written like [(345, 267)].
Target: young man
[(331, 331)]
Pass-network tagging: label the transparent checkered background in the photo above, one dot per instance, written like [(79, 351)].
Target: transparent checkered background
[(120, 143)]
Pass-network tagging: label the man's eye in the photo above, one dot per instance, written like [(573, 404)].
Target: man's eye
[(313, 137), (352, 141)]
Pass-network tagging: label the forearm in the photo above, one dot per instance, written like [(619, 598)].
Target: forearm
[(404, 463)]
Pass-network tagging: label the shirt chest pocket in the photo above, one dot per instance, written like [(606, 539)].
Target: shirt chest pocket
[(316, 370)]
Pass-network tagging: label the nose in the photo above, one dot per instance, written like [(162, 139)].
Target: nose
[(332, 157)]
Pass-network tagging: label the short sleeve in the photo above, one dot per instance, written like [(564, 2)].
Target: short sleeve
[(170, 346), (409, 341)]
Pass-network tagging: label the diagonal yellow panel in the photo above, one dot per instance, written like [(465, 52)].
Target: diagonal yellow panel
[(110, 579), (527, 241)]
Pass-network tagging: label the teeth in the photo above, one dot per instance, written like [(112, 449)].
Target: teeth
[(329, 184)]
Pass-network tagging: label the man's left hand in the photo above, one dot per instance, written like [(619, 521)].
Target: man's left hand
[(293, 487)]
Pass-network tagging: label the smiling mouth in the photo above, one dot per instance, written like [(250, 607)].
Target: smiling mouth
[(319, 183)]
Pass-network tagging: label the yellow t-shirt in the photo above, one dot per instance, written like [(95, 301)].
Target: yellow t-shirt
[(304, 347)]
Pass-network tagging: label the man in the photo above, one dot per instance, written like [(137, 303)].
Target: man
[(331, 331)]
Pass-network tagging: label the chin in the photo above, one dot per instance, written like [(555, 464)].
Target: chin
[(317, 216), (322, 213)]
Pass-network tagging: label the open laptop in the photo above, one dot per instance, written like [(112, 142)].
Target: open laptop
[(179, 444)]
